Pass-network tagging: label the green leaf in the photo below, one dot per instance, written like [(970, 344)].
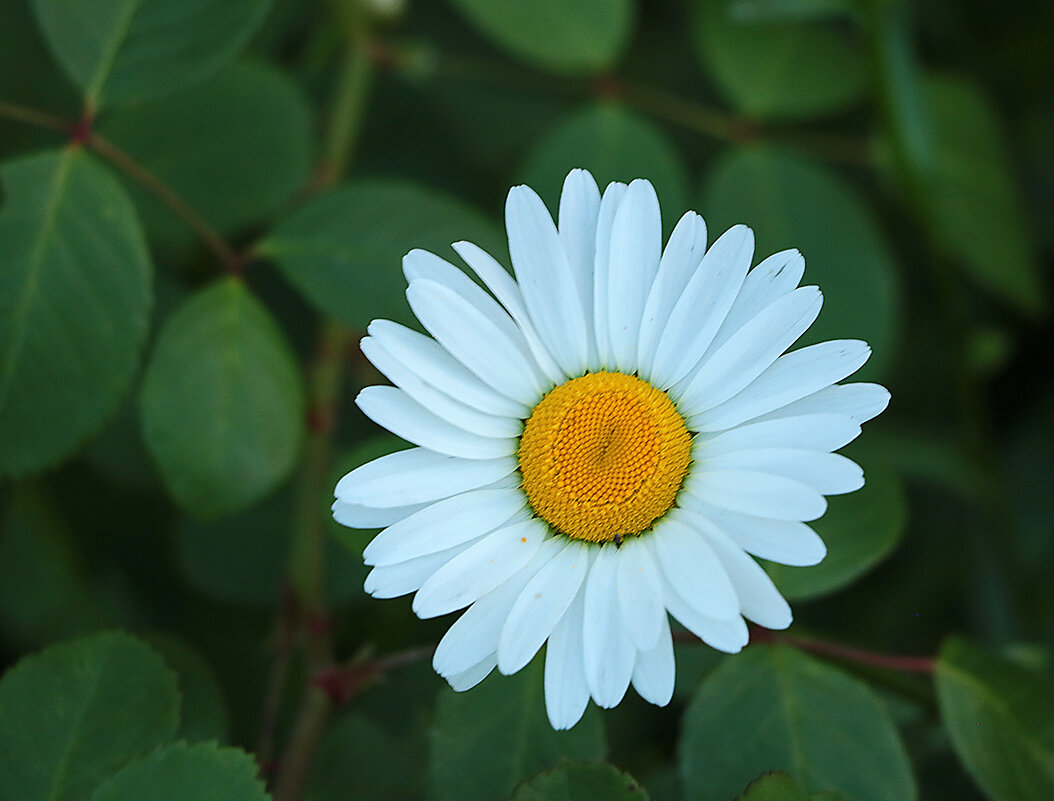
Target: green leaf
[(779, 69), (44, 593), (774, 786), (344, 250), (122, 50), (860, 530), (204, 713), (773, 708), (1000, 716), (566, 37), (359, 759), (793, 203), (185, 140), (582, 781), (30, 77), (73, 714), (614, 144), (74, 305), (980, 215), (487, 740), (221, 403), (181, 772)]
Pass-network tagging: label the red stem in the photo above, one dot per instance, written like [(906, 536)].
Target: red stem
[(908, 664), (846, 653)]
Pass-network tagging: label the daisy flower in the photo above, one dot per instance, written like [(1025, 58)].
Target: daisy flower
[(603, 442)]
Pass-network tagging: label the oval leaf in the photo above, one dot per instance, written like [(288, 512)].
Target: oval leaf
[(75, 301), (567, 37), (582, 781), (180, 772), (1000, 716), (485, 741), (344, 249), (222, 405), (122, 50), (860, 530), (255, 105), (615, 145), (979, 212), (75, 713), (792, 203), (778, 68), (773, 708)]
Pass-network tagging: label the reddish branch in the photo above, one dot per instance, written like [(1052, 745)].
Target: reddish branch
[(846, 653), (904, 664), (344, 682)]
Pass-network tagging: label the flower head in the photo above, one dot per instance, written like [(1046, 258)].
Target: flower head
[(602, 442)]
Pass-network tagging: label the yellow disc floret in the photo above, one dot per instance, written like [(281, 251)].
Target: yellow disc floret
[(603, 456)]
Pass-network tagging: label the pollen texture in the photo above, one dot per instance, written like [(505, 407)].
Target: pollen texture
[(603, 456)]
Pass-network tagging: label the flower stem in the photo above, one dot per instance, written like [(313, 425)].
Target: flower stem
[(31, 116), (307, 558), (176, 204), (80, 132), (846, 653)]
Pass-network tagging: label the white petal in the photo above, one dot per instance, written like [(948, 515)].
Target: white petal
[(540, 606), (544, 275), (784, 541), (494, 354), (439, 403), (609, 204), (692, 569), (860, 402), (421, 265), (396, 411), (758, 596), (755, 493), (792, 376), (680, 259), (579, 209), (773, 278), (827, 473), (474, 635), (433, 364), (639, 593), (418, 475), (754, 347), (466, 680), (729, 635), (480, 568), (566, 692), (608, 652), (703, 306), (820, 432), (444, 524), (391, 581), (654, 671), (508, 294), (636, 246), (355, 515)]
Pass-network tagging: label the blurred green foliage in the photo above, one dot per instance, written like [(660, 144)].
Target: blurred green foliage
[(204, 203)]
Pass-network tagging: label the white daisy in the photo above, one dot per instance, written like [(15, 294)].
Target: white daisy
[(602, 442)]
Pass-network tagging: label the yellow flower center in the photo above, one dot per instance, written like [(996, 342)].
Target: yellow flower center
[(603, 456)]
